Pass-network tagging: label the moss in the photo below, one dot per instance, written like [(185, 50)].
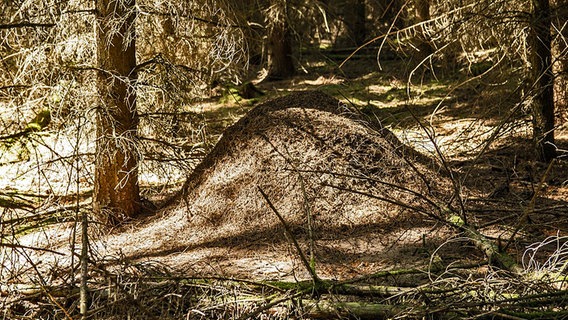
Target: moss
[(456, 220), (479, 68), (40, 121), (7, 201), (230, 95)]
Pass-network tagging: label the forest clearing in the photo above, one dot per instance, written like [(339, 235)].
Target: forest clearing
[(190, 161)]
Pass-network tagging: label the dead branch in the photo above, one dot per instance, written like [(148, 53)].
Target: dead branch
[(26, 24), (309, 268), (19, 246)]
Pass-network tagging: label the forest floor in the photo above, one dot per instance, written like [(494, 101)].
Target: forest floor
[(509, 196)]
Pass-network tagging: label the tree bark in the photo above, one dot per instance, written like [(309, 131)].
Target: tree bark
[(116, 193), (541, 77), (560, 54), (280, 61), (359, 28), (424, 44), (355, 16)]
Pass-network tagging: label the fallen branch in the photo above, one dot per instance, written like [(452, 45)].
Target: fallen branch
[(33, 289), (325, 309), (485, 245)]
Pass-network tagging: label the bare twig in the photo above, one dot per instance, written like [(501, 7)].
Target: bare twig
[(309, 268), (269, 305), (391, 201), (524, 219), (26, 24), (19, 246)]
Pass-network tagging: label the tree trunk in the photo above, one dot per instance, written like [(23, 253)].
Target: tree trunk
[(424, 44), (360, 28), (560, 53), (356, 20), (280, 62), (542, 80), (116, 193), (423, 10)]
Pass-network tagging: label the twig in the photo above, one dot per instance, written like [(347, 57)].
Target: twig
[(83, 289), (399, 272), (412, 27), (252, 315), (455, 182), (26, 24), (113, 278), (388, 184), (19, 246), (312, 272), (525, 217), (391, 201)]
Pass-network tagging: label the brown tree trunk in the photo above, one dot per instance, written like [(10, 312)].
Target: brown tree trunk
[(280, 61), (356, 20), (360, 22), (423, 10), (424, 44), (116, 193), (560, 54), (542, 81)]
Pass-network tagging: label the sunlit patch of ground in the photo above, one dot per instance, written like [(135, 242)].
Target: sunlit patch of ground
[(322, 80), (44, 166)]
